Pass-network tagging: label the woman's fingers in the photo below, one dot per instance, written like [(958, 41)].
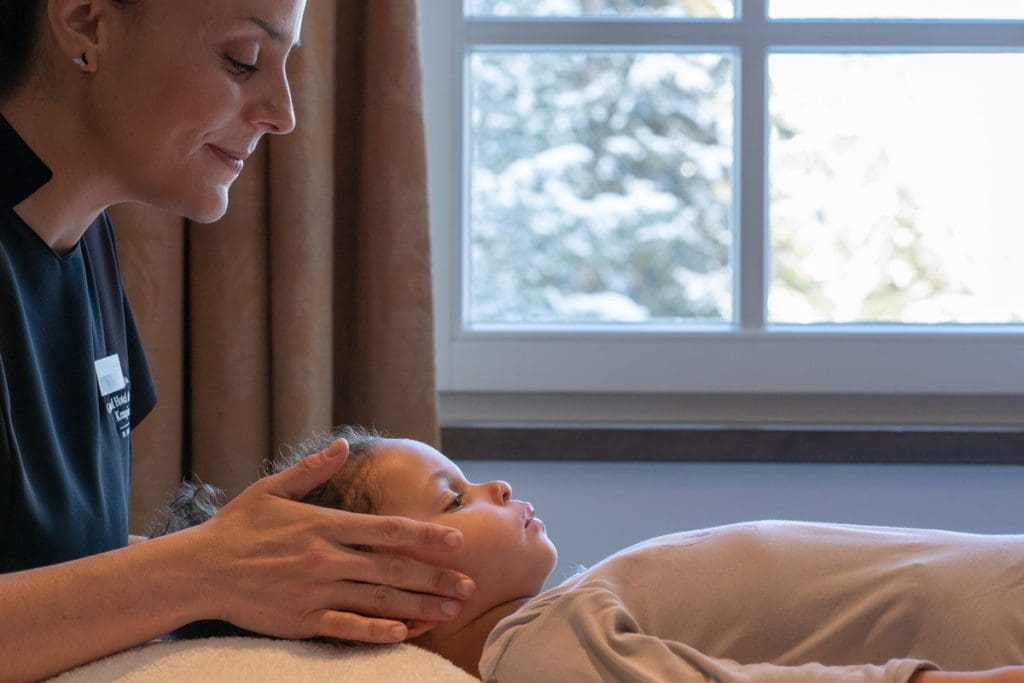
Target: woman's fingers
[(385, 602), (385, 531), (402, 573), (304, 476), (347, 626)]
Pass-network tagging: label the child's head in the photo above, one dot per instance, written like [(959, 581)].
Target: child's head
[(505, 549)]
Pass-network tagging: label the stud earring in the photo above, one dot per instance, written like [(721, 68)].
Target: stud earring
[(82, 61)]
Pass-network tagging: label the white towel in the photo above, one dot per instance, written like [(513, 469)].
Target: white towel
[(254, 660)]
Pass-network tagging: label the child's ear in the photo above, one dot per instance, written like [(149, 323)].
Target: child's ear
[(417, 627)]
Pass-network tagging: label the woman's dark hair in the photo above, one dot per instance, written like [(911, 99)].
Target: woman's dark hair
[(20, 28), (351, 489)]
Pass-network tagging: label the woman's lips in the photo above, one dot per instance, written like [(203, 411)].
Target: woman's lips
[(233, 160)]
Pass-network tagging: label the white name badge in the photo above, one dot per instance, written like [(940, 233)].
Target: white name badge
[(109, 375)]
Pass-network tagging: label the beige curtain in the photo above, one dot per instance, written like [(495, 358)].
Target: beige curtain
[(309, 304)]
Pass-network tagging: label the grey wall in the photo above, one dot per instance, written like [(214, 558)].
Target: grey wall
[(593, 509)]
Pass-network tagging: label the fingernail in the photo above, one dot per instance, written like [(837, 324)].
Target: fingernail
[(398, 632), (453, 539), (450, 608), (464, 588)]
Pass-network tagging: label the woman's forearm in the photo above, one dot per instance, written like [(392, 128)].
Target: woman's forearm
[(62, 616)]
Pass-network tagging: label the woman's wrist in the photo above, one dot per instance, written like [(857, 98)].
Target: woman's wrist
[(189, 586)]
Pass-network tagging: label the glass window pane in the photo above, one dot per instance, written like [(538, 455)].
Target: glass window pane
[(895, 188), (896, 9), (601, 187), (612, 8)]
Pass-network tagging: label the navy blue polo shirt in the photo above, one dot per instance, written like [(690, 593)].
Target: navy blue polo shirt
[(73, 383)]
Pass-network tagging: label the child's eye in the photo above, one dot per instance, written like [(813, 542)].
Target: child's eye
[(456, 504), (240, 67)]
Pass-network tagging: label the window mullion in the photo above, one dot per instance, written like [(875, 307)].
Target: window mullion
[(750, 251)]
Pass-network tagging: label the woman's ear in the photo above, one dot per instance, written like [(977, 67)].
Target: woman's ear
[(78, 30)]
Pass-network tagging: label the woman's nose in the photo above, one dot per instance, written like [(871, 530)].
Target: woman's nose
[(277, 112)]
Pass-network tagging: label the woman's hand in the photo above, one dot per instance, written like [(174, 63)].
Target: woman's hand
[(277, 566), (1006, 674)]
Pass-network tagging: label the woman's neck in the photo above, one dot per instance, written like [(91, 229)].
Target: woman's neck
[(63, 209), (464, 646)]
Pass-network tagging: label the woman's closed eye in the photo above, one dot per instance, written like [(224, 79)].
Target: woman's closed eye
[(240, 67)]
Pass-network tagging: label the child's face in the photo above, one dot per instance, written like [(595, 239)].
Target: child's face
[(505, 550)]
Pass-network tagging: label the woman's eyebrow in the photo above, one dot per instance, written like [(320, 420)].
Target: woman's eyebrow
[(273, 31)]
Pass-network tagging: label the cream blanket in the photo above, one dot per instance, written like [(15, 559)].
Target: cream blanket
[(253, 660), (774, 601)]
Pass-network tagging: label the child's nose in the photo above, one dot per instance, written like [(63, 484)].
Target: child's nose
[(501, 490)]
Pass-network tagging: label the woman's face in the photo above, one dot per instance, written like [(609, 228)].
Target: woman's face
[(185, 89), (505, 549)]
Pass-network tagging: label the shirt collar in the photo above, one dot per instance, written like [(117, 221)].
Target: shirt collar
[(21, 171)]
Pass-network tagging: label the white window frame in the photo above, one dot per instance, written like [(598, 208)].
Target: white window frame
[(749, 357)]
